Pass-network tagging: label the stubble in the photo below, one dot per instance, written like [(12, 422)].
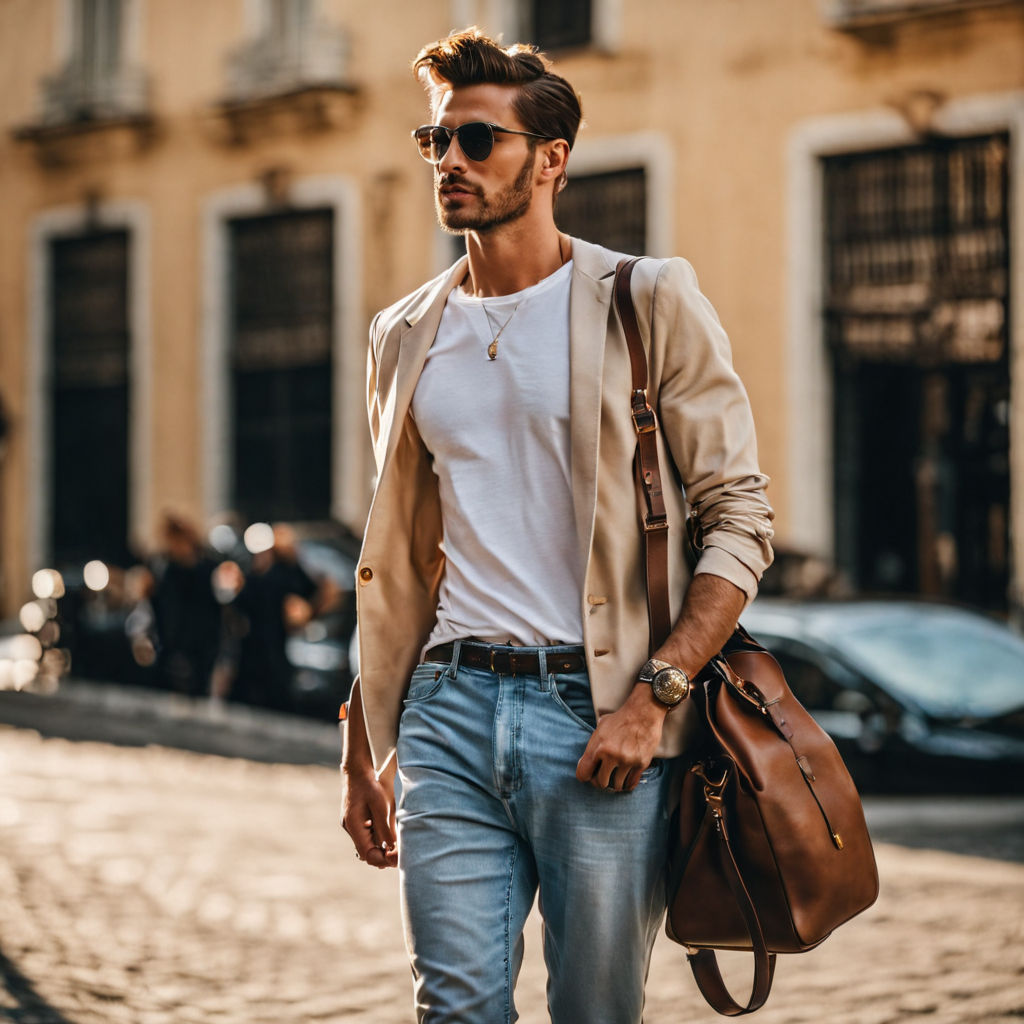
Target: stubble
[(489, 212)]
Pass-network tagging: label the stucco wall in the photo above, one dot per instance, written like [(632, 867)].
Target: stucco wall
[(725, 86)]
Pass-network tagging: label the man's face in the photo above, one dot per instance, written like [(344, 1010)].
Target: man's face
[(481, 195)]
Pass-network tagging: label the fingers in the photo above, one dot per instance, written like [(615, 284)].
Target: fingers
[(603, 770), (371, 847), (368, 818), (587, 765), (598, 771)]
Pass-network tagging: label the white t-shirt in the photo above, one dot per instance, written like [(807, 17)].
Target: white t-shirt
[(499, 434)]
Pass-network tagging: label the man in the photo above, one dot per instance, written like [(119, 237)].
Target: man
[(188, 616), (502, 617)]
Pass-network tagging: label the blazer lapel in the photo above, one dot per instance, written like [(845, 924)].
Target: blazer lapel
[(416, 334), (589, 303)]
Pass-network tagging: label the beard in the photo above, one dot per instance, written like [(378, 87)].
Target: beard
[(488, 212)]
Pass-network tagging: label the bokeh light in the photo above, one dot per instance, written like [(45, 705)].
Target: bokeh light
[(259, 537), (96, 575), (223, 538), (48, 583), (24, 672), (32, 616), (24, 648)]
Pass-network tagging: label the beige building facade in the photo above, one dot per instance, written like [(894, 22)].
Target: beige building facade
[(203, 203)]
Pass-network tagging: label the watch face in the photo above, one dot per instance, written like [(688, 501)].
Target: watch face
[(670, 685)]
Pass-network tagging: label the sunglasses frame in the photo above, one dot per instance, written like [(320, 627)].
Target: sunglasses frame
[(455, 133)]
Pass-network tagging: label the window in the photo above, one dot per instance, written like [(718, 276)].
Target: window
[(917, 321), (96, 82), (89, 354), (559, 24), (282, 301), (609, 208)]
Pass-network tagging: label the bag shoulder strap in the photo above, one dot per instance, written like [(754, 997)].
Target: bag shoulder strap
[(647, 471), (646, 466)]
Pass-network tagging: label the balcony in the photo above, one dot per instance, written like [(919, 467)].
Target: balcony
[(292, 77), (855, 14), (83, 101)]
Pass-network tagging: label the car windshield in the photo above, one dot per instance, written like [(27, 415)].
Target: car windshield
[(953, 665)]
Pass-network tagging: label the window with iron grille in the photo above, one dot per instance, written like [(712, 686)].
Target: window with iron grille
[(282, 303), (917, 317), (559, 24), (89, 397), (608, 208)]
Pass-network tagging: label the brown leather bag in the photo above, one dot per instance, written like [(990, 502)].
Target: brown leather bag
[(771, 851)]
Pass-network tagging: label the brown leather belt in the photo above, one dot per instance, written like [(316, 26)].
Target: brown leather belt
[(507, 660)]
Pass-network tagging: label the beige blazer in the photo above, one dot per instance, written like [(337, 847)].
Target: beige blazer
[(706, 425)]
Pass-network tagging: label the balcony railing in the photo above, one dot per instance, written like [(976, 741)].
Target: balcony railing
[(79, 92), (859, 13), (279, 64)]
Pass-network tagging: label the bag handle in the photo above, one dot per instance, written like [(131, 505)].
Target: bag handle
[(647, 472), (704, 962)]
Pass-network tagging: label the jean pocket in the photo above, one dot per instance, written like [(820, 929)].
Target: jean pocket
[(572, 694), (427, 678), (653, 771)]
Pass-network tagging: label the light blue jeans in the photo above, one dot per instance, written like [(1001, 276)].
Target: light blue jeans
[(489, 813)]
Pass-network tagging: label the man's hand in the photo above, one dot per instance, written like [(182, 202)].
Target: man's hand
[(367, 800), (368, 815), (624, 742)]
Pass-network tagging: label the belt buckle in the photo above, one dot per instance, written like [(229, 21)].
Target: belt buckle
[(496, 650)]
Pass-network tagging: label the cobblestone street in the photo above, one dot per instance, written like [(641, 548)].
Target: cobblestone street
[(154, 885)]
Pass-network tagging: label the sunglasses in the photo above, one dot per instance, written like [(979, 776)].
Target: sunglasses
[(476, 139)]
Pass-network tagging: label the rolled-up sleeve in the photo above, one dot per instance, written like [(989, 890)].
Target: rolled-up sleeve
[(709, 429)]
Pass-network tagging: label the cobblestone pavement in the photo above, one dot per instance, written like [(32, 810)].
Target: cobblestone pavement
[(145, 885)]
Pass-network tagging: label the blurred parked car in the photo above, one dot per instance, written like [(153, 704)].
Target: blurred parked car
[(918, 697), (319, 653)]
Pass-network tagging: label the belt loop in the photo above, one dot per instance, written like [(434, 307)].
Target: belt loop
[(453, 668), (542, 668)]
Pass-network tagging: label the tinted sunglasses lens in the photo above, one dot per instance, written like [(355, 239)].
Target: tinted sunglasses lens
[(476, 140), (432, 142)]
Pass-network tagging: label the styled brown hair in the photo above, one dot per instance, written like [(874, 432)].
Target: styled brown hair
[(545, 102)]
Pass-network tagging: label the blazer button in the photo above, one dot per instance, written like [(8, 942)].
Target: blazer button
[(365, 574)]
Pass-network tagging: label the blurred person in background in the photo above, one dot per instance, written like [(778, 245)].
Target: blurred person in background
[(186, 614), (274, 598), (507, 720)]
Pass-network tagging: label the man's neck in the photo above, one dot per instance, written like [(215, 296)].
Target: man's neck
[(506, 261)]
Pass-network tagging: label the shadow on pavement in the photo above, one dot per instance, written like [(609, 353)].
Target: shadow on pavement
[(31, 1007), (977, 826), (132, 717)]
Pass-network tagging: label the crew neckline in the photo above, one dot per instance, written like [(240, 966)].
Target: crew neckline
[(543, 284)]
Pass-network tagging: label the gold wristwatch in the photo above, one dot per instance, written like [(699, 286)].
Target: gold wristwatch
[(669, 684)]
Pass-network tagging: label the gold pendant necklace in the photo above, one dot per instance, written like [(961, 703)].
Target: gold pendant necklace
[(492, 349)]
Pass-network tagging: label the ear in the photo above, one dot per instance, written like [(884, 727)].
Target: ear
[(554, 158)]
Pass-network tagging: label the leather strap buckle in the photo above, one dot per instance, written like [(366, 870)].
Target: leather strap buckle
[(644, 419), (654, 522)]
